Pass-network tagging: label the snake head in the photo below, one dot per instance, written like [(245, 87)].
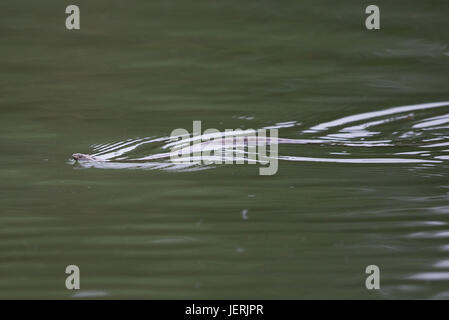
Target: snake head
[(82, 157)]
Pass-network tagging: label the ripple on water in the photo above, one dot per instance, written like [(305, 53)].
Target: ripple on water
[(396, 129), (90, 294)]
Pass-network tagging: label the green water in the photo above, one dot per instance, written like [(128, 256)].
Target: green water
[(144, 68)]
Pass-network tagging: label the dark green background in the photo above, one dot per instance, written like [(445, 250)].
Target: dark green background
[(144, 68)]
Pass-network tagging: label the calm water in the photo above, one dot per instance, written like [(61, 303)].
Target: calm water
[(139, 71)]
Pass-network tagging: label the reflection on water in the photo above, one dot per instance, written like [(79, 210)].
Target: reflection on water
[(409, 132)]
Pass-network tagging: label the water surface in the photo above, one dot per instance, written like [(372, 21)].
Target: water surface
[(140, 70)]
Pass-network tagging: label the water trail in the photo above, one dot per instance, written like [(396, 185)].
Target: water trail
[(398, 135), (375, 114)]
